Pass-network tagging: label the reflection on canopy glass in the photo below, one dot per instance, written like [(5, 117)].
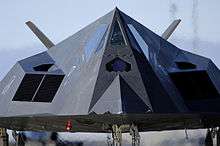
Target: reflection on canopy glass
[(94, 41), (140, 40), (117, 37)]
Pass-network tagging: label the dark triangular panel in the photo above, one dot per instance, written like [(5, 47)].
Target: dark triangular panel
[(159, 98), (131, 102)]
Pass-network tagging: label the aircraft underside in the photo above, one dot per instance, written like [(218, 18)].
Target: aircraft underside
[(115, 124)]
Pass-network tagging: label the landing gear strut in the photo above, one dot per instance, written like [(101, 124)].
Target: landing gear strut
[(117, 134), (19, 138), (135, 135), (208, 139), (3, 137), (218, 137), (212, 133)]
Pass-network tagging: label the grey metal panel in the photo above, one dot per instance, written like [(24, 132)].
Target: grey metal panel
[(71, 51), (110, 100), (94, 41), (8, 88)]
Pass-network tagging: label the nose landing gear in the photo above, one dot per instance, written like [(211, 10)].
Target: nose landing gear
[(117, 134)]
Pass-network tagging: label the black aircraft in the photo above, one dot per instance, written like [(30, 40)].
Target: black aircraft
[(115, 75)]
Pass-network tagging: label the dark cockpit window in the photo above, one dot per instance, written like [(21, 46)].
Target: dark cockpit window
[(117, 36)]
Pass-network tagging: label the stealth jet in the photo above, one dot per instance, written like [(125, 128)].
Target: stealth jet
[(115, 75)]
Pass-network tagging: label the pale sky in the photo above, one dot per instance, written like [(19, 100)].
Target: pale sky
[(60, 19)]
